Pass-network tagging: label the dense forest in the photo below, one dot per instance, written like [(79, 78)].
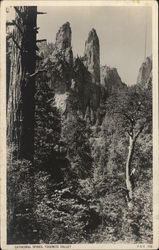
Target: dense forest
[(79, 166)]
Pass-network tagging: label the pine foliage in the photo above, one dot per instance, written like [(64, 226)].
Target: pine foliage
[(47, 124)]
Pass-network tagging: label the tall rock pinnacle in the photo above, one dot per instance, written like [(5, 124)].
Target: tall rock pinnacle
[(92, 56), (63, 37), (145, 73), (63, 42)]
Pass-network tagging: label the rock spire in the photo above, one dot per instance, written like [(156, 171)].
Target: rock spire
[(145, 72), (110, 81), (92, 56), (63, 37)]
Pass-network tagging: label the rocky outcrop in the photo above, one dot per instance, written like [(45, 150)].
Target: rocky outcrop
[(81, 84), (63, 37), (92, 56), (58, 59), (110, 81), (86, 91), (82, 77), (43, 49), (63, 42), (145, 73), (87, 77)]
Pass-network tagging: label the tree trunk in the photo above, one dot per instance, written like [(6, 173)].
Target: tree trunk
[(128, 165), (21, 89)]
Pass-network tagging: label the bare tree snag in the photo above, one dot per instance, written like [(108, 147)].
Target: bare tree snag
[(132, 141), (20, 112), (128, 165), (132, 111)]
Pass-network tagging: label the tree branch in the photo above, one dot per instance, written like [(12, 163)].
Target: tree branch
[(9, 23), (36, 72), (17, 25), (124, 114), (139, 132), (130, 134), (129, 118), (41, 13), (41, 40), (20, 14), (16, 43)]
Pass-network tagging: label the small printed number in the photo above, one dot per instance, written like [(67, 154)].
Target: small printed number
[(144, 246)]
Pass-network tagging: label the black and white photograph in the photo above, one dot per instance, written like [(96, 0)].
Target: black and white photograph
[(79, 98)]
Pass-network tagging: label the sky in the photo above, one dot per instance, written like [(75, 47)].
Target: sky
[(121, 32)]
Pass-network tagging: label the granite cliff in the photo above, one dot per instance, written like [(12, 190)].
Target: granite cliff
[(86, 77), (110, 81), (145, 73), (92, 56)]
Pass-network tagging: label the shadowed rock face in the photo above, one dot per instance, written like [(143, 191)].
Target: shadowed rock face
[(86, 91), (92, 56), (145, 73), (110, 81), (81, 84)]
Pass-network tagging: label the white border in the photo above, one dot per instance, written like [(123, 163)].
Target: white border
[(154, 6)]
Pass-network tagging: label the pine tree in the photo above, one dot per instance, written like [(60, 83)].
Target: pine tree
[(22, 227), (75, 135), (47, 124)]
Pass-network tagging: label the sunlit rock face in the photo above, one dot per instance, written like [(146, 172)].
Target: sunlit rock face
[(145, 73), (63, 42), (63, 57), (63, 37), (58, 60), (110, 81), (92, 56)]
